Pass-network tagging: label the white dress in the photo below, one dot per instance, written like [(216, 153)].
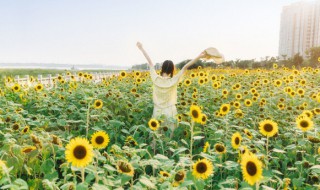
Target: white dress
[(164, 94)]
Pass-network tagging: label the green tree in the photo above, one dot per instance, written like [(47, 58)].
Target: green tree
[(297, 60), (313, 54)]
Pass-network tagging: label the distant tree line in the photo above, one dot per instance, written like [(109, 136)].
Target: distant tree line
[(267, 62)]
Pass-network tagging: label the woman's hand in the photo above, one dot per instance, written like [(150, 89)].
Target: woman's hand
[(203, 54), (139, 45)]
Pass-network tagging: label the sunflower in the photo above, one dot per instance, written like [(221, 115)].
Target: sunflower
[(130, 141), (202, 169), (201, 81), (38, 87), (164, 174), (281, 106), (28, 149), (316, 111), (236, 140), (268, 128), (97, 104), (123, 74), (304, 123), (25, 129), (251, 168), (153, 124), (225, 92), (125, 168), (133, 90), (203, 119), (248, 133), (238, 96), (179, 178), (277, 83), (247, 102), (307, 113), (220, 148), (187, 82), (100, 139), (236, 104), (238, 113), (16, 87), (15, 126), (205, 147), (195, 113), (179, 117), (300, 91), (224, 109), (79, 152)]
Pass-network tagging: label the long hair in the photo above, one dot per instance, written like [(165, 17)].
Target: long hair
[(167, 67)]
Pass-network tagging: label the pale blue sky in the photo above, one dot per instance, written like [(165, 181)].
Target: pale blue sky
[(105, 31)]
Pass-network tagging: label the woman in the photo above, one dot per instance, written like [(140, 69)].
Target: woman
[(165, 85)]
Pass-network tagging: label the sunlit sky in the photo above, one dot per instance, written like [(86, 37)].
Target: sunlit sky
[(105, 32)]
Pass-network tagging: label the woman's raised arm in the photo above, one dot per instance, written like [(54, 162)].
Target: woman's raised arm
[(145, 54), (202, 55)]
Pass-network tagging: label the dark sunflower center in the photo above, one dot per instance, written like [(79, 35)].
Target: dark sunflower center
[(188, 82), (39, 87), (25, 130), (237, 140), (99, 139), (122, 74), (204, 119), (15, 127), (16, 88), (304, 124), (247, 102), (201, 167), (98, 104), (179, 176), (224, 109), (153, 124), (220, 148), (195, 114), (80, 152), (165, 175), (124, 167), (251, 168), (27, 150), (268, 127)]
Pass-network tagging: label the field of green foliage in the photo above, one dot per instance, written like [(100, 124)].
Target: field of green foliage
[(236, 129)]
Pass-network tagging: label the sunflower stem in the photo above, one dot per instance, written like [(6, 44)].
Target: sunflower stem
[(257, 185), (191, 141), (82, 175), (96, 169), (88, 119), (267, 147)]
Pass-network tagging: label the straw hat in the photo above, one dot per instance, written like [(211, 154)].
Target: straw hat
[(213, 54)]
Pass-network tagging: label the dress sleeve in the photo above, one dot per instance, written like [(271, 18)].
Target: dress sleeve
[(153, 73), (178, 77)]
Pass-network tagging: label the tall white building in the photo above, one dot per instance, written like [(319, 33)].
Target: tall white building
[(299, 28)]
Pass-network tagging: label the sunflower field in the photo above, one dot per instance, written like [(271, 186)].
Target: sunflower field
[(236, 129)]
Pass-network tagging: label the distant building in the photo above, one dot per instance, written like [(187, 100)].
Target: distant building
[(299, 28)]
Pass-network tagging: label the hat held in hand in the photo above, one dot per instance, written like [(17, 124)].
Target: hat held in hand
[(214, 54)]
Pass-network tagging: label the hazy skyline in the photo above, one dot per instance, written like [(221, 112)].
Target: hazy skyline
[(105, 32)]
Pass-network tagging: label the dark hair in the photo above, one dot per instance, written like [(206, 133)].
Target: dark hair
[(167, 67)]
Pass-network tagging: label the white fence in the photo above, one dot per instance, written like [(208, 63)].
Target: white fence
[(48, 81)]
